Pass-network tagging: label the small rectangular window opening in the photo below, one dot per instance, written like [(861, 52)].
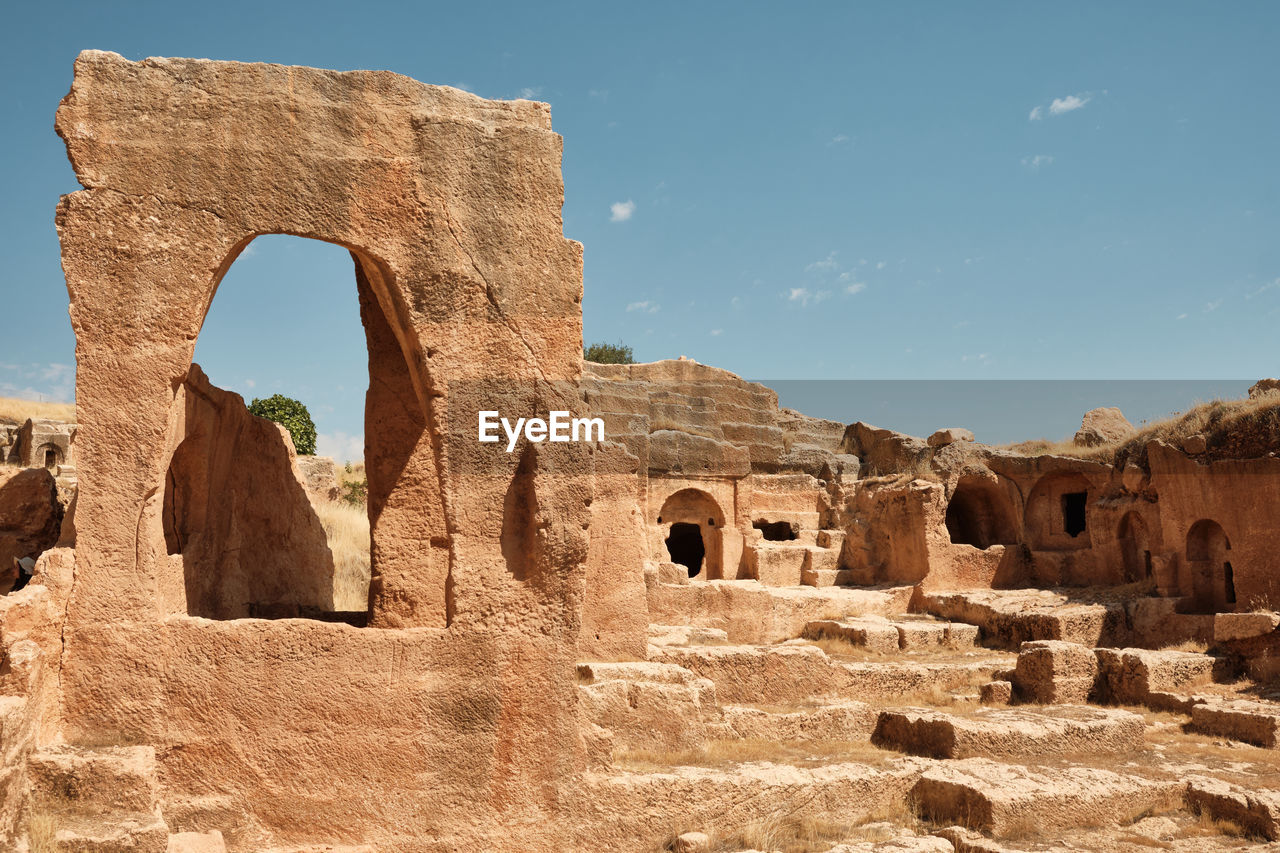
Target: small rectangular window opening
[(1073, 515)]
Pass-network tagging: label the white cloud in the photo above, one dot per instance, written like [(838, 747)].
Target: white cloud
[(529, 93), (856, 287), (804, 296), (715, 333), (1182, 316), (1212, 306), (1037, 161), (342, 447), (1261, 290), (249, 383), (46, 382), (881, 265), (620, 211), (646, 306), (598, 94), (736, 301), (1069, 103), (1058, 106), (838, 139), (825, 265)]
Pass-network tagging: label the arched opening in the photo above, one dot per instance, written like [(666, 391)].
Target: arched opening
[(684, 544), (980, 514), (1135, 547), (259, 532), (694, 536), (49, 456), (1057, 513), (1212, 576)]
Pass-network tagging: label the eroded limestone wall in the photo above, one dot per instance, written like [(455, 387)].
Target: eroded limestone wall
[(471, 295)]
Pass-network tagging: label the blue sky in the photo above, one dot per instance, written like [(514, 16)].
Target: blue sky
[(799, 191)]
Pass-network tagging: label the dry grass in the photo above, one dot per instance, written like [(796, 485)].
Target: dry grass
[(13, 409), (1208, 825), (725, 753), (1199, 646), (800, 834), (41, 831), (1235, 429), (347, 529), (1065, 447), (1232, 428)]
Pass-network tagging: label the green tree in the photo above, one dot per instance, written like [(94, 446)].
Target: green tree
[(602, 353), (291, 415)]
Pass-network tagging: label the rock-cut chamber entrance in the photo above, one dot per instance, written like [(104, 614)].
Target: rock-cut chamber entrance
[(693, 537)]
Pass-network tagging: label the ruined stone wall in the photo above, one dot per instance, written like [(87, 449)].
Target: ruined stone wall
[(1241, 498), (239, 555), (470, 297)]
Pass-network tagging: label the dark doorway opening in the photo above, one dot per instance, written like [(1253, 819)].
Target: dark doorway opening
[(776, 531), (1073, 506), (684, 544), (51, 459), (1229, 580)]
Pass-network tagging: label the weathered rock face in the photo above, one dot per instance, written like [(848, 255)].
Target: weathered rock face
[(44, 443), (1264, 386), (1102, 426), (1218, 524), (30, 517), (470, 297), (241, 556), (319, 476)]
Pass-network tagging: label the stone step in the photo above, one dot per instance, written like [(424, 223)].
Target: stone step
[(623, 806), (826, 577), (1004, 799), (685, 635), (838, 721), (91, 781), (115, 833), (1009, 732), (796, 672), (197, 842), (833, 539), (1131, 676), (1257, 812), (752, 613), (649, 705), (889, 635), (1252, 721)]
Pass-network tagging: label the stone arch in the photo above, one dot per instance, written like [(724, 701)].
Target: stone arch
[(1135, 547), (403, 454), (48, 455), (478, 287), (692, 524), (1056, 515), (1208, 555), (981, 514)]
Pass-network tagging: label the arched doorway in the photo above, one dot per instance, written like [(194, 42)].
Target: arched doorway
[(286, 319), (980, 514), (1212, 575), (1135, 547), (692, 522)]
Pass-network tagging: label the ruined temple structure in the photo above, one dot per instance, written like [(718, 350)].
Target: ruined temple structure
[(727, 626)]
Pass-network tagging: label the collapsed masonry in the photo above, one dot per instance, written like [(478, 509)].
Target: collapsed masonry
[(725, 619)]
